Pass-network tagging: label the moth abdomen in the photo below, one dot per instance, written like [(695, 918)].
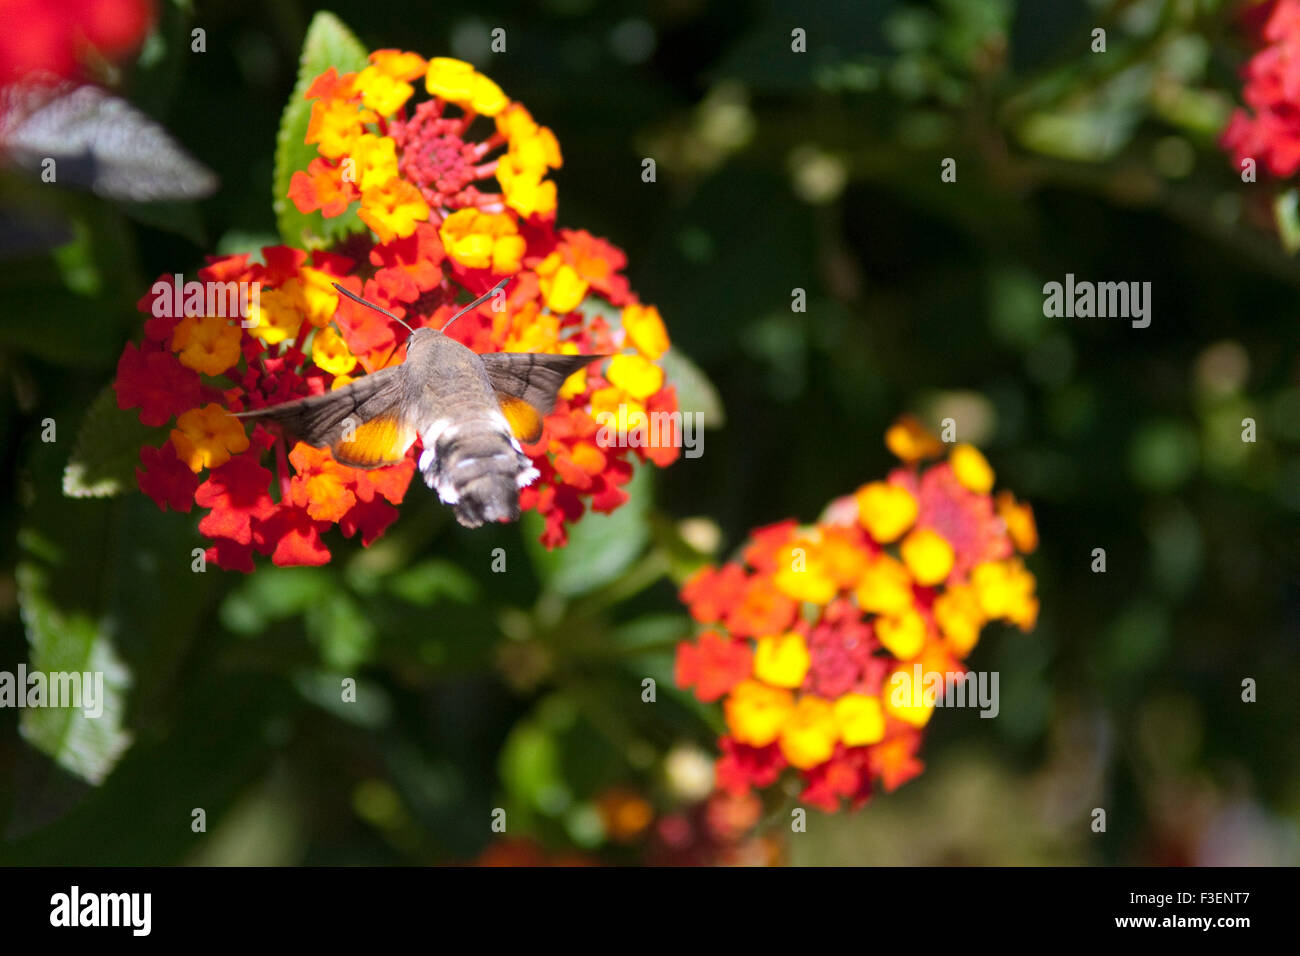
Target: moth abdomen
[(478, 468), (487, 498)]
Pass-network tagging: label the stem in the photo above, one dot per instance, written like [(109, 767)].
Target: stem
[(648, 572), (301, 338), (282, 466)]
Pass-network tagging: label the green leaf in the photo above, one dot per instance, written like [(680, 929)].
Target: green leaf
[(372, 707), (651, 631), (105, 586), (208, 757), (88, 746), (84, 292), (107, 451), (238, 241), (329, 43), (1085, 136), (530, 761), (695, 393), (601, 546), (340, 627), (530, 769), (76, 262), (430, 581), (263, 598), (1286, 213)]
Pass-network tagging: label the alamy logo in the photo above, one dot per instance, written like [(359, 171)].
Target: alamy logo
[(946, 689), (1102, 300), (53, 689), (176, 298), (103, 909), (634, 428)]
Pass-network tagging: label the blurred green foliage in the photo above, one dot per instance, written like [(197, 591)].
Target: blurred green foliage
[(776, 171)]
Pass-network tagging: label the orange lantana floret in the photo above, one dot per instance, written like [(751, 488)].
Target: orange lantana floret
[(206, 437)]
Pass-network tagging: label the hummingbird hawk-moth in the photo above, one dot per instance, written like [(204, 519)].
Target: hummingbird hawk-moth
[(469, 410)]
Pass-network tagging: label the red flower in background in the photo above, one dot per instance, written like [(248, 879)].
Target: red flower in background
[(56, 36), (1267, 129)]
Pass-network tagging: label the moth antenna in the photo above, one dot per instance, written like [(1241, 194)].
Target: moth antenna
[(477, 302), (382, 311)]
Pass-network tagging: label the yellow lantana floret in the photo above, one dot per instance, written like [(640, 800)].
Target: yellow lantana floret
[(458, 82), (479, 240), (1005, 590), (319, 298), (861, 720), (928, 556), (207, 344), (959, 616), (1019, 519), (801, 574), (755, 712), (382, 92), (886, 510), (808, 737), (374, 161), (331, 353), (645, 330), (905, 698), (635, 375), (971, 469), (782, 660), (393, 209), (903, 634), (911, 441), (563, 289), (207, 437), (278, 314), (885, 587)]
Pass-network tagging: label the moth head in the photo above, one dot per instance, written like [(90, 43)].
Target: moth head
[(421, 337), (415, 338), (420, 341)]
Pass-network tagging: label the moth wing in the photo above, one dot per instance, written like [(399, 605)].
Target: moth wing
[(362, 423), (383, 440), (524, 420), (527, 383), (99, 141)]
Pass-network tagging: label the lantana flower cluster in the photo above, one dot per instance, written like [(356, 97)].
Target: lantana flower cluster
[(435, 234), (408, 163), (815, 636), (1268, 128)]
